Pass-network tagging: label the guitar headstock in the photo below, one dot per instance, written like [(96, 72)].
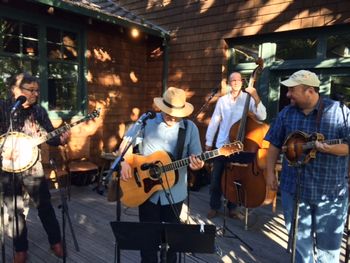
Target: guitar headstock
[(231, 148), (94, 114)]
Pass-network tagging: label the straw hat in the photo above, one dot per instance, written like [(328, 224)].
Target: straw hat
[(174, 103)]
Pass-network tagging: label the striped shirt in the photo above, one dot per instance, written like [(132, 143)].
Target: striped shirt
[(324, 177)]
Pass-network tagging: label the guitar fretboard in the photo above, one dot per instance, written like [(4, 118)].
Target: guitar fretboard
[(203, 156)]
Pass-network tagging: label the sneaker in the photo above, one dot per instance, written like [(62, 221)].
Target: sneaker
[(212, 213)]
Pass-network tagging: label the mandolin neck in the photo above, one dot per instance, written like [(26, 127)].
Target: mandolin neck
[(311, 145)]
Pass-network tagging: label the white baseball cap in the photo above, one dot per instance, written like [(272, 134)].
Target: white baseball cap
[(303, 77)]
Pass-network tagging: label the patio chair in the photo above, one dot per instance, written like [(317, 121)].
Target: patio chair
[(81, 170)]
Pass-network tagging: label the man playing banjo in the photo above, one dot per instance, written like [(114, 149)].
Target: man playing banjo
[(29, 120)]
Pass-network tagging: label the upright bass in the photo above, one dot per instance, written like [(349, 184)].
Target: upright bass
[(244, 183)]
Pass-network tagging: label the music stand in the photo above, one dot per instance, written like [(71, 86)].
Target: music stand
[(164, 236)]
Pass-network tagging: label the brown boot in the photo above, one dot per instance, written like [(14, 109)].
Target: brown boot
[(212, 213), (57, 249), (20, 257)]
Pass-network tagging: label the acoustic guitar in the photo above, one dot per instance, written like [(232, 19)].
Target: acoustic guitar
[(25, 150), (300, 145), (158, 171)]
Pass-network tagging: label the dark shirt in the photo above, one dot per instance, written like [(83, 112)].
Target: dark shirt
[(33, 122), (33, 113)]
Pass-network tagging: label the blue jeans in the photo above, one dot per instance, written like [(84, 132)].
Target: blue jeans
[(215, 184), (320, 227)]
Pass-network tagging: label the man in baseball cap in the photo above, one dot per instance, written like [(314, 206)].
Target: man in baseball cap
[(303, 77), (318, 182), (303, 89)]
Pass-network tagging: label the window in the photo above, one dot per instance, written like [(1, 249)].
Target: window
[(245, 53), (63, 69), (338, 46), (18, 50), (302, 48), (324, 51), (53, 54), (340, 89)]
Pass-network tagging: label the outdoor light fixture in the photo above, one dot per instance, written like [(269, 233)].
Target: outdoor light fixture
[(51, 10), (135, 32)]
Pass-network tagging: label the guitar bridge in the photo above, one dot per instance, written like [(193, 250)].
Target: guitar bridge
[(137, 178)]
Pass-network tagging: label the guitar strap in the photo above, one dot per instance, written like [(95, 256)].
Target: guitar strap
[(319, 114), (181, 140)]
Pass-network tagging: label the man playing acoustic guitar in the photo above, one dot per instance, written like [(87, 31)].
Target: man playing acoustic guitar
[(322, 187), (162, 134), (30, 120)]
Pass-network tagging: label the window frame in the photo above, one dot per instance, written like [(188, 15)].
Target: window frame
[(42, 24), (271, 77)]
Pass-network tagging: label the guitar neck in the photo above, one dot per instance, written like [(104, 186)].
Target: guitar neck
[(311, 145), (185, 162)]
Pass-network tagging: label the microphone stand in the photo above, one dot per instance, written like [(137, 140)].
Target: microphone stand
[(206, 104), (2, 181), (2, 213), (347, 246), (115, 167), (65, 213), (292, 239), (203, 107)]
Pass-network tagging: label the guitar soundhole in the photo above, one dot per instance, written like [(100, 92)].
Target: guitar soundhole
[(155, 172), (154, 178)]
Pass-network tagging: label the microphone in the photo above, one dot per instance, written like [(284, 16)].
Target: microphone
[(19, 101), (215, 90), (148, 115), (340, 97), (139, 123)]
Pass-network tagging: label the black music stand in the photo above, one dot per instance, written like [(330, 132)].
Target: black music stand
[(164, 236)]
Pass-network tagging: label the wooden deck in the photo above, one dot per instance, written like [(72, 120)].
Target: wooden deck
[(91, 214)]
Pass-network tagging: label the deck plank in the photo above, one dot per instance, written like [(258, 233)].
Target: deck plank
[(91, 215)]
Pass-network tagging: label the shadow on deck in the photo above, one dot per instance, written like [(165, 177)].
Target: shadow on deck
[(91, 215)]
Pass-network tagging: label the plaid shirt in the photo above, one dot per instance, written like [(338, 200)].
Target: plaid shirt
[(326, 176)]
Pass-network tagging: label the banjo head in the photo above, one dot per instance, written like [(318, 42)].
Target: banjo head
[(23, 155)]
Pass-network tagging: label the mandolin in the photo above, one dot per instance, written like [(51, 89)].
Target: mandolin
[(299, 144)]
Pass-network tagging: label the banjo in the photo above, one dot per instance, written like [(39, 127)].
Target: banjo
[(25, 151)]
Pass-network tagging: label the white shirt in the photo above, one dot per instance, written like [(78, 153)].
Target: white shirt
[(227, 112)]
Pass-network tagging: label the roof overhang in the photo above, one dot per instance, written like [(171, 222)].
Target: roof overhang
[(95, 11)]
